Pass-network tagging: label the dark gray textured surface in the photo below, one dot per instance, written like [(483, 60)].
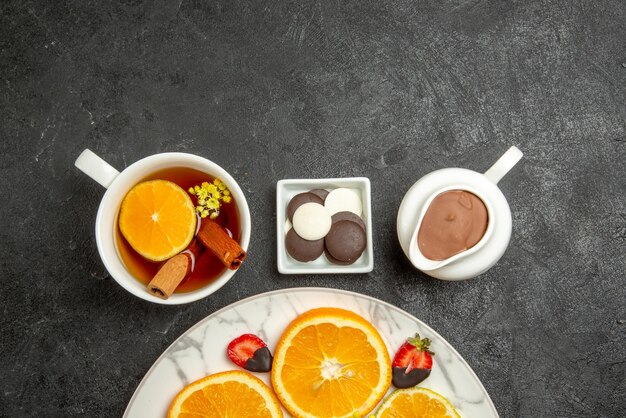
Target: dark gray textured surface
[(385, 89)]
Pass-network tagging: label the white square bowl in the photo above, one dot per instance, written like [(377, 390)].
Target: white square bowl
[(286, 190)]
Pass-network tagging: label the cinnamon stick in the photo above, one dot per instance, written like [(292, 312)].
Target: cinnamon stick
[(174, 271), (214, 238)]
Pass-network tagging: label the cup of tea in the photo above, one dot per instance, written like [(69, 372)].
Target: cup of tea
[(455, 223), (130, 269)]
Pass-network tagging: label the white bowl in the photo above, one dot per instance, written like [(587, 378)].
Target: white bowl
[(286, 190), (475, 261), (416, 200)]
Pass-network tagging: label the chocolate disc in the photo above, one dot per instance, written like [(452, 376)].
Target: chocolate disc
[(333, 260), (348, 216), (299, 200), (343, 199), (301, 249), (312, 221), (345, 241), (321, 193)]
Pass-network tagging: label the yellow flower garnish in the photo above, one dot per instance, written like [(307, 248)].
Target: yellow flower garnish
[(209, 197), (213, 203)]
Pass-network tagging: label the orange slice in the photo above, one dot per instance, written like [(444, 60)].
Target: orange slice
[(158, 219), (330, 362), (227, 394), (416, 403)]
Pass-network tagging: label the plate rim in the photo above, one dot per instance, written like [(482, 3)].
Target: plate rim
[(307, 289)]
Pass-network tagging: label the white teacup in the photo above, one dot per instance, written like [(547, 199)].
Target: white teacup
[(118, 184)]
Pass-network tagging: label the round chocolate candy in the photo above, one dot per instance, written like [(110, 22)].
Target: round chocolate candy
[(299, 200), (346, 241), (333, 260), (348, 216), (342, 199), (321, 193), (311, 221), (302, 249)]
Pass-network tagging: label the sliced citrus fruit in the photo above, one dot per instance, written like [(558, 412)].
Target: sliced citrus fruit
[(227, 394), (330, 362), (158, 219), (416, 403)]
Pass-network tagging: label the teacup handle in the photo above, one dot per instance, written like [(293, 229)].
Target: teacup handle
[(504, 165), (96, 168)]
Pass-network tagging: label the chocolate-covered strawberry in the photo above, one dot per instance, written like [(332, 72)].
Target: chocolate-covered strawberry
[(412, 363), (251, 353)]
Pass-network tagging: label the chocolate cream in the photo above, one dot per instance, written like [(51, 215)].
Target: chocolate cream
[(454, 222)]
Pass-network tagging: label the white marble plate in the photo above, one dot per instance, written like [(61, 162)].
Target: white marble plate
[(202, 349)]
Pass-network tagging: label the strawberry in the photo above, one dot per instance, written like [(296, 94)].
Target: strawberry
[(412, 363), (251, 353)]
